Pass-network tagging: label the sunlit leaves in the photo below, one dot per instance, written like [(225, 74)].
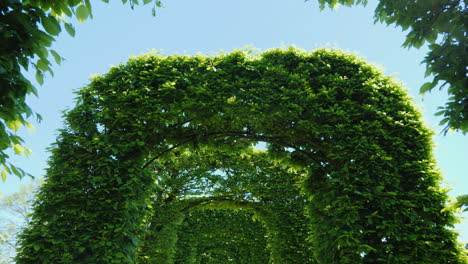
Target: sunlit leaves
[(18, 149), (14, 125), (82, 13)]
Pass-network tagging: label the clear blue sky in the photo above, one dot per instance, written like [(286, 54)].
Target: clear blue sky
[(209, 26)]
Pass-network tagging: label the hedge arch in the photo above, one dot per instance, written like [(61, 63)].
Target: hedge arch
[(372, 185)]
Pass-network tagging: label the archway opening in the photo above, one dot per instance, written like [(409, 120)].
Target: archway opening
[(244, 179)]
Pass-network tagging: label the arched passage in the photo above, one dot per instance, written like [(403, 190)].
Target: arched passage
[(373, 187), (211, 179), (221, 236)]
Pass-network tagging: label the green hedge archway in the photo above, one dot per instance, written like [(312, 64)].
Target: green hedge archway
[(221, 236), (206, 178), (373, 188)]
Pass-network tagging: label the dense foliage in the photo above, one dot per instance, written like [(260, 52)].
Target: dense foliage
[(221, 236), (442, 24), (369, 177)]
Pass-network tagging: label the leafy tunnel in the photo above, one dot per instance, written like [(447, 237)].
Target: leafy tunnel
[(209, 179)]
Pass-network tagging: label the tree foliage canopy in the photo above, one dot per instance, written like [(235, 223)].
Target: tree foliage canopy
[(442, 24), (27, 30), (369, 178)]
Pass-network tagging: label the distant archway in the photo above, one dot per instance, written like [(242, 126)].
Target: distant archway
[(372, 188), (245, 179)]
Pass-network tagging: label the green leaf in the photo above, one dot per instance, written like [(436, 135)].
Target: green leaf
[(82, 13), (428, 72), (51, 25), (444, 121), (464, 126), (147, 1), (18, 149), (88, 5), (14, 125), (4, 175), (57, 57), (159, 4), (36, 247), (39, 77), (43, 64), (426, 87), (432, 36), (16, 172), (6, 169), (42, 52), (70, 29), (66, 10)]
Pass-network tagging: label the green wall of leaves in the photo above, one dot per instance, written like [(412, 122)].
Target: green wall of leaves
[(369, 176)]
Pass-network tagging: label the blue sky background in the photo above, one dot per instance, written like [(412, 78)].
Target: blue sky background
[(209, 26)]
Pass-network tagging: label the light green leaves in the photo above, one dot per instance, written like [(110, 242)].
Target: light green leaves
[(43, 64), (18, 149), (82, 13), (4, 175), (51, 25), (14, 125)]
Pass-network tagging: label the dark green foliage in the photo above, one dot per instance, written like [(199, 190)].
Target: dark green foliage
[(369, 177), (442, 24), (221, 236)]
